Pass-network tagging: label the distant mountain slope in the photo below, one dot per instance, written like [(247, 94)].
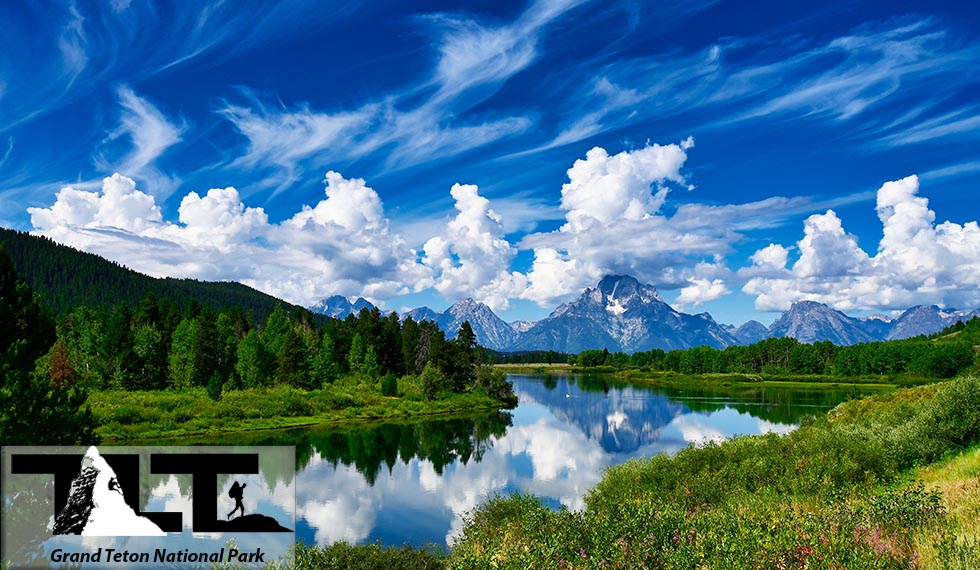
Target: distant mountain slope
[(809, 321), (621, 314), (67, 278), (926, 320), (339, 307), (423, 314), (878, 325), (750, 332), (490, 330)]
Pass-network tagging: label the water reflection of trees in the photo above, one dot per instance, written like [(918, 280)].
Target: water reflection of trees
[(775, 405), (369, 447)]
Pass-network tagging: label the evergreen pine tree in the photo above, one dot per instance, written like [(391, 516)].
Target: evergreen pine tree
[(33, 410)]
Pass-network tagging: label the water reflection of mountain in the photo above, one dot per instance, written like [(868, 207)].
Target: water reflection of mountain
[(622, 417), (620, 421)]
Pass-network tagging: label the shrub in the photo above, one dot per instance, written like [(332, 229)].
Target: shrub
[(433, 382), (389, 385), (214, 387), (342, 555)]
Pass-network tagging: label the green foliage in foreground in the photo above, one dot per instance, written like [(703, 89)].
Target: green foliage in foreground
[(343, 556), (833, 494)]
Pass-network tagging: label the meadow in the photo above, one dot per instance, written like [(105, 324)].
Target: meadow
[(143, 414)]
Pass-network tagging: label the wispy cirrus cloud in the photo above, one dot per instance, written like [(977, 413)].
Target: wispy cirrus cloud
[(150, 134), (71, 43), (66, 52), (291, 140), (963, 122), (475, 56), (885, 66), (423, 122)]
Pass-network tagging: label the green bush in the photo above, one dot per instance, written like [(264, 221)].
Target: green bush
[(344, 556), (389, 385)]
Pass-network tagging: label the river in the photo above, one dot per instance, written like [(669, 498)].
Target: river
[(415, 482)]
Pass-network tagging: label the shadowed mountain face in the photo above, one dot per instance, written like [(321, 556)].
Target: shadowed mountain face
[(491, 331), (750, 332), (809, 321), (621, 314), (922, 320)]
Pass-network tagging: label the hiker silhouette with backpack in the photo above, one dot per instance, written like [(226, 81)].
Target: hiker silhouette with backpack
[(236, 492)]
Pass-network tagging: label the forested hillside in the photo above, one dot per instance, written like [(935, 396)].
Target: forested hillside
[(67, 278)]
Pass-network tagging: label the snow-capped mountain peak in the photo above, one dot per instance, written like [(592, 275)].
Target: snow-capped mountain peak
[(339, 306), (620, 313)]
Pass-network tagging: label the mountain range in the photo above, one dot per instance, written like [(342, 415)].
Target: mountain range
[(618, 314), (622, 314)]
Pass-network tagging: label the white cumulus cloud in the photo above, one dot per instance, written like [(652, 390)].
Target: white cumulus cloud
[(917, 261), (701, 291), (472, 257), (613, 224), (342, 245)]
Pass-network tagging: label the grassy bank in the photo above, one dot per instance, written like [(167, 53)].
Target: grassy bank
[(657, 378), (883, 482), (536, 368), (126, 415), (670, 378)]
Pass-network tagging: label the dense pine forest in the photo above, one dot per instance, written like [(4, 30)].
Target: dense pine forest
[(153, 346)]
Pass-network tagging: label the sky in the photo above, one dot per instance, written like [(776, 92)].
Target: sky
[(738, 156)]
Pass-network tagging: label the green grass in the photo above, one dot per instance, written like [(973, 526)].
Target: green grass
[(850, 490), (127, 415), (764, 379), (344, 556)]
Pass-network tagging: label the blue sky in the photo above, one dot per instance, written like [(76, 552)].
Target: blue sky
[(739, 156)]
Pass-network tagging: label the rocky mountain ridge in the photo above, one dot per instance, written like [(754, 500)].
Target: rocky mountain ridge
[(622, 314)]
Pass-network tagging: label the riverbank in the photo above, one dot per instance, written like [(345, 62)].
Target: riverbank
[(675, 379), (670, 378), (888, 481), (167, 414)]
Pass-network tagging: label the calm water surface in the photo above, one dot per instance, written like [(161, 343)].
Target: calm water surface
[(398, 483)]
